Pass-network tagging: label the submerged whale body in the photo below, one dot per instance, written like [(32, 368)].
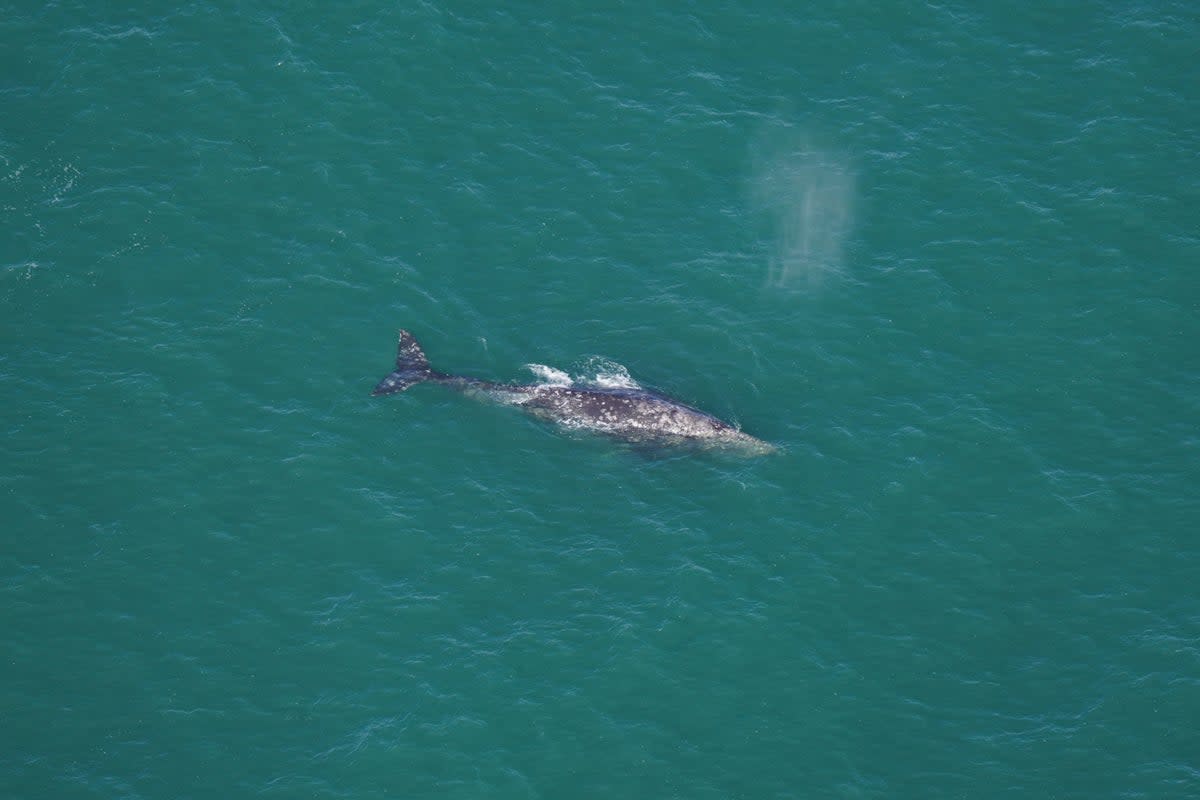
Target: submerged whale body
[(627, 413)]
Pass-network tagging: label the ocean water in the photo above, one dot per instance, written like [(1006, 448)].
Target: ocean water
[(944, 256)]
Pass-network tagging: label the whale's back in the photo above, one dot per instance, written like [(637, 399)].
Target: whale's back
[(631, 414), (624, 412)]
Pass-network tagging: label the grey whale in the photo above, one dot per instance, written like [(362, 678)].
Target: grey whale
[(630, 414)]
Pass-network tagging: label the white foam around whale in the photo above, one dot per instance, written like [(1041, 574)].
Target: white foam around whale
[(598, 372), (610, 375), (549, 375)]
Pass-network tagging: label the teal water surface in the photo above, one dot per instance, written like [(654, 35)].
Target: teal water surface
[(943, 257)]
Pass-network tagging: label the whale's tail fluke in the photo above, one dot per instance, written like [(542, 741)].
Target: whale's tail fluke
[(411, 367)]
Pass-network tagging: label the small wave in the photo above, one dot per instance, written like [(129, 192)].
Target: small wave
[(598, 372), (609, 375), (549, 375)]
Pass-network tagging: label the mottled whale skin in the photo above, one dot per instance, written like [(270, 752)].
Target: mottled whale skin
[(630, 414)]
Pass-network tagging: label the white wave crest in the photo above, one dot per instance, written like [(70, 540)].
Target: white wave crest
[(549, 375), (598, 372), (609, 374)]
